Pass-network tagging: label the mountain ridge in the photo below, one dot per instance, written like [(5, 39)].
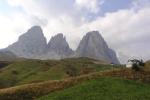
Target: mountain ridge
[(33, 44)]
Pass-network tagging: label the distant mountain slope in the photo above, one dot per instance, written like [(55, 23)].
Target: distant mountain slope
[(94, 46), (7, 56)]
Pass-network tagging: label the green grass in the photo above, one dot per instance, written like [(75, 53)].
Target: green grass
[(32, 71), (103, 89), (147, 66)]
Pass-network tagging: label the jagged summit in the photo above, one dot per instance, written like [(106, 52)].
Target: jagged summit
[(33, 32), (59, 45), (32, 44), (93, 33), (94, 46), (56, 40)]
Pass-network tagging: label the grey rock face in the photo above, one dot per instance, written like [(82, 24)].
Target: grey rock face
[(33, 44), (94, 46), (7, 55), (59, 46), (30, 44), (113, 56)]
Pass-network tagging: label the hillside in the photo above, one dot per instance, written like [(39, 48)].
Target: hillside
[(4, 64), (33, 71), (122, 87), (72, 79), (147, 66), (103, 89)]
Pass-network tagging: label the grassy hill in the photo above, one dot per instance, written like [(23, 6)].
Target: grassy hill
[(129, 89), (147, 66), (4, 63), (33, 71), (72, 79), (106, 88)]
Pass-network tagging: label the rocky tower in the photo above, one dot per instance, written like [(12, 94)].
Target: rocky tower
[(31, 44), (59, 46), (94, 46)]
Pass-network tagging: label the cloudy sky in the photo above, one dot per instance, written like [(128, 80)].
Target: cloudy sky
[(125, 24)]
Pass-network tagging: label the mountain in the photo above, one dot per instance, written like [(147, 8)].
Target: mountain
[(113, 56), (59, 46), (94, 46), (30, 44), (7, 55)]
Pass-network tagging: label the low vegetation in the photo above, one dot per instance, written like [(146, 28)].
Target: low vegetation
[(147, 66), (72, 79), (35, 90), (106, 88), (4, 64), (33, 71), (31, 91)]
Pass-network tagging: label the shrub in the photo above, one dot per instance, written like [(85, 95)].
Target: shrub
[(15, 72), (87, 70), (135, 67), (71, 71)]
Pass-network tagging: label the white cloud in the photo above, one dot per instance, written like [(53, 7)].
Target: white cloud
[(126, 31), (140, 4), (91, 5), (11, 28)]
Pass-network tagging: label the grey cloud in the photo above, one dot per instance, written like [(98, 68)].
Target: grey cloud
[(38, 21)]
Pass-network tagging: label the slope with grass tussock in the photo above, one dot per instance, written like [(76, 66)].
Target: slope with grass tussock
[(106, 88), (33, 71), (147, 66), (31, 91)]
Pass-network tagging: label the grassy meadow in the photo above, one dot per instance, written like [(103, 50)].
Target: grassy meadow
[(72, 79)]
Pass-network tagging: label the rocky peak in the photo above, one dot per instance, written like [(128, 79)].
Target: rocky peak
[(30, 44), (94, 46), (59, 45), (57, 39), (34, 32)]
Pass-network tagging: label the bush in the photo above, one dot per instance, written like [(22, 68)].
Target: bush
[(135, 67), (87, 70), (15, 72), (71, 71)]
